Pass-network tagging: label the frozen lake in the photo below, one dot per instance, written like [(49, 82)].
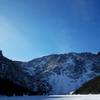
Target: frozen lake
[(69, 97)]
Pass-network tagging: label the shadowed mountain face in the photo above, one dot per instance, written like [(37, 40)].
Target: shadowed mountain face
[(12, 78), (53, 74), (90, 87), (9, 88)]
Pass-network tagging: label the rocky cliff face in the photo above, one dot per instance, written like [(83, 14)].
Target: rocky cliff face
[(12, 74), (53, 74)]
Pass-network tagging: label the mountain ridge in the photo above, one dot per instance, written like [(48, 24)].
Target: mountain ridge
[(52, 74)]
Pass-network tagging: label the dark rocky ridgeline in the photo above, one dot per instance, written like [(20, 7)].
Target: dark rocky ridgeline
[(98, 53), (12, 80), (91, 87), (1, 55)]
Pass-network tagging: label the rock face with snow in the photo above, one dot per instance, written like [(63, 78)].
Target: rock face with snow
[(53, 74)]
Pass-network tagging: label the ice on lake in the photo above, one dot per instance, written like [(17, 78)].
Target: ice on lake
[(58, 97)]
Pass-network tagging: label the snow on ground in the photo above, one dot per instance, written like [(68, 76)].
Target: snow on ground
[(55, 97)]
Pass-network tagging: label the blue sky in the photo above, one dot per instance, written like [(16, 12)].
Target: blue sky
[(34, 28)]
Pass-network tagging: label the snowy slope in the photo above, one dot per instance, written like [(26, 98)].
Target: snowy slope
[(54, 74), (65, 72)]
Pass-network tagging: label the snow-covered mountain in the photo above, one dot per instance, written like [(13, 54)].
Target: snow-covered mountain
[(53, 74)]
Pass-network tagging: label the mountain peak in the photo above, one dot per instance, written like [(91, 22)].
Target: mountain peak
[(1, 53), (98, 53)]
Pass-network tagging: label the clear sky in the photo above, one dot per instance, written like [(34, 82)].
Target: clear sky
[(33, 28)]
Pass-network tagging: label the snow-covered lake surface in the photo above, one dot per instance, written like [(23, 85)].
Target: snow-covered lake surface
[(63, 97)]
